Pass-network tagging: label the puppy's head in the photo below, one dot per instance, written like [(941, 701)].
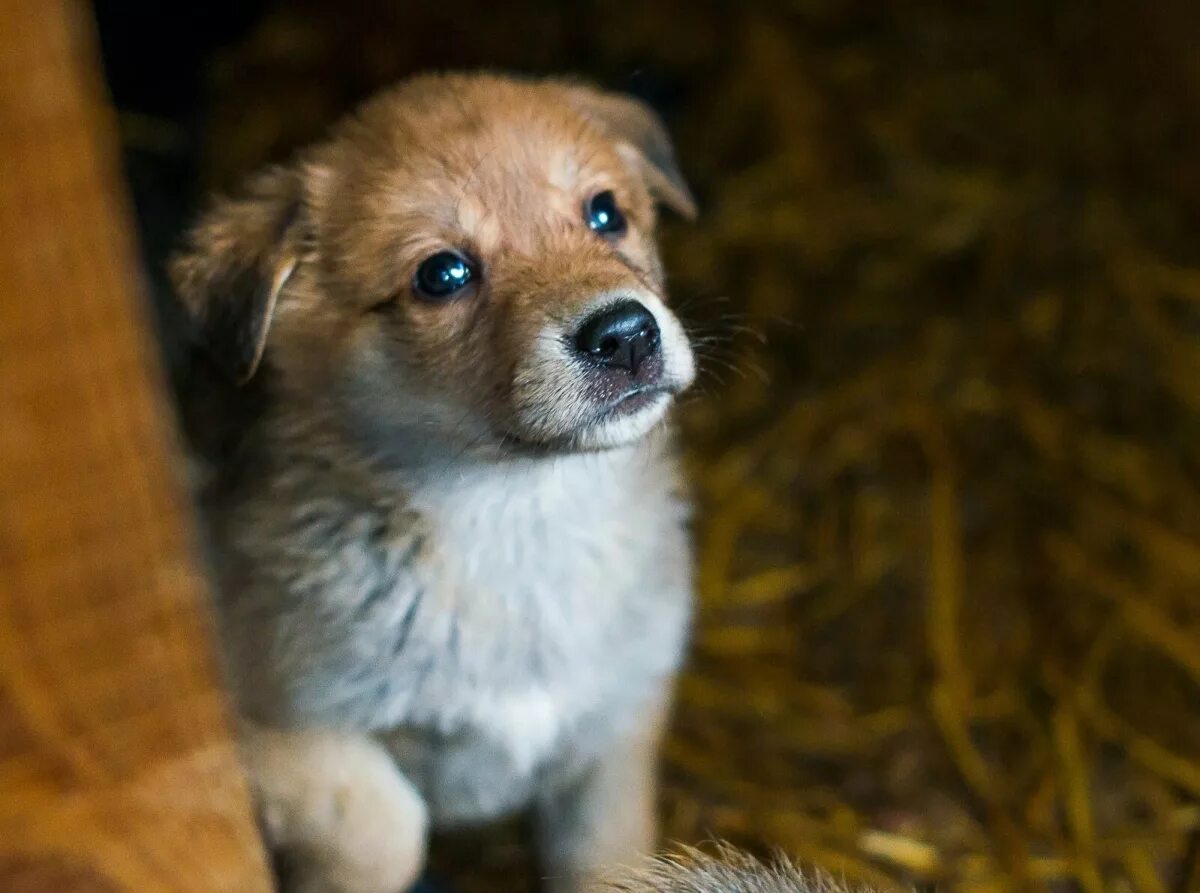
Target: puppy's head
[(467, 262)]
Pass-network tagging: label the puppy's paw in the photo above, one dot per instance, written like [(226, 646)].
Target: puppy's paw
[(345, 818)]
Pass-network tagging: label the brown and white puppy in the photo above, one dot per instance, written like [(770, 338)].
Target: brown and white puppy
[(454, 579)]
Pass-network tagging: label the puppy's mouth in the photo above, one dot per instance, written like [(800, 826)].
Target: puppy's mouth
[(622, 421), (635, 400)]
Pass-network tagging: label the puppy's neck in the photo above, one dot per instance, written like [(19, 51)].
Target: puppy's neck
[(416, 466), (548, 474)]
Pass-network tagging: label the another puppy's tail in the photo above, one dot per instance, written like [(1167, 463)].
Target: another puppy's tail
[(728, 871)]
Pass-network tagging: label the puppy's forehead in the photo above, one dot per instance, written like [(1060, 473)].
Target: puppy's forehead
[(494, 169), (515, 170)]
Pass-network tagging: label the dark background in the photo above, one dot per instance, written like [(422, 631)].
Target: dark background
[(946, 446)]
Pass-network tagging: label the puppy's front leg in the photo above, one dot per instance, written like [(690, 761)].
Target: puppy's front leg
[(606, 818), (338, 805)]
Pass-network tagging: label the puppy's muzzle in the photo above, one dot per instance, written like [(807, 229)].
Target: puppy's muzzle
[(606, 377), (623, 341)]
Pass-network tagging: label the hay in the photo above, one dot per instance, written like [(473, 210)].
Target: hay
[(949, 524)]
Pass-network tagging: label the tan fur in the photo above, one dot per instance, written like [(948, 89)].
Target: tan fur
[(334, 799), (396, 183)]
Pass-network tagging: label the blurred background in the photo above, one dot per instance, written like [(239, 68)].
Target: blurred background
[(947, 443)]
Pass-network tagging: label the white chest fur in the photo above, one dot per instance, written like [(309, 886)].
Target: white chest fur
[(545, 568)]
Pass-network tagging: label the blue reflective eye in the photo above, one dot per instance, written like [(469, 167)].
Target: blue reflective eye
[(603, 215), (443, 274)]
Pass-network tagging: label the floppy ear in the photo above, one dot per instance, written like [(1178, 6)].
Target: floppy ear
[(642, 137), (233, 265)]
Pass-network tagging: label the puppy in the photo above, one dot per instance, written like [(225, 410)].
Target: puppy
[(454, 578)]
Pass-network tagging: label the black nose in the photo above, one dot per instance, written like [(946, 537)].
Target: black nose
[(623, 336)]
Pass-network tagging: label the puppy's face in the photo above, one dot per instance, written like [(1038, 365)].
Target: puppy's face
[(467, 263)]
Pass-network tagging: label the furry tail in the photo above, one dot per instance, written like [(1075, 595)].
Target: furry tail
[(729, 871)]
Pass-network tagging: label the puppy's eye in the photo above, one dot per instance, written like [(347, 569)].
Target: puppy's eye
[(603, 215), (442, 275)]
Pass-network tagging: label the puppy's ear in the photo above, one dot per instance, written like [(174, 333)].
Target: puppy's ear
[(642, 137), (233, 265)]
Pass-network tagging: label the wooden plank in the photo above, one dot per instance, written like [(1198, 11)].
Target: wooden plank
[(117, 771)]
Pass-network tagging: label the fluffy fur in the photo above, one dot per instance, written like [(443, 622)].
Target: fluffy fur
[(729, 871), (454, 578)]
